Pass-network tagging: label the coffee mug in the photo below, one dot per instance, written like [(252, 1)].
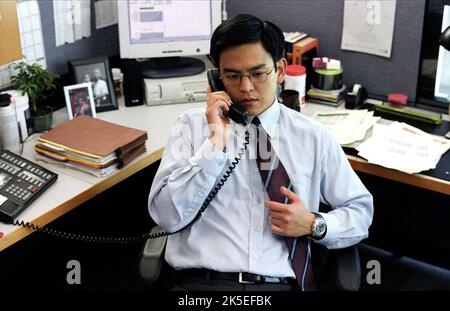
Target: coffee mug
[(290, 98)]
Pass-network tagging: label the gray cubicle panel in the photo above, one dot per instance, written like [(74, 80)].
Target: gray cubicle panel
[(324, 19), (101, 42), (320, 18)]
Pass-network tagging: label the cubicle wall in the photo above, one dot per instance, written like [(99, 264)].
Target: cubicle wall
[(101, 42), (321, 18), (324, 19)]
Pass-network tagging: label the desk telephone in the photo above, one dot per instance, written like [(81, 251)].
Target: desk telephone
[(21, 182)]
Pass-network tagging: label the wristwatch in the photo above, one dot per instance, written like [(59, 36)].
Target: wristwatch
[(319, 227)]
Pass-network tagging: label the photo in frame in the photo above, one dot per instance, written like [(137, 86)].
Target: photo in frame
[(79, 100), (97, 72)]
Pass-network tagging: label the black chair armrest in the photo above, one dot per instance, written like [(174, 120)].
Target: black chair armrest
[(347, 268), (336, 269), (152, 257)]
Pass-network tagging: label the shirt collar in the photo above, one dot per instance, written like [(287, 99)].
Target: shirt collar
[(269, 117)]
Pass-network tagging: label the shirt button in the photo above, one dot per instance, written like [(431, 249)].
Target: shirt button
[(256, 169), (255, 257), (257, 228), (220, 163)]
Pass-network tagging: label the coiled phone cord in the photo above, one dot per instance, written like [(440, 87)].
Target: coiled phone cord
[(145, 236)]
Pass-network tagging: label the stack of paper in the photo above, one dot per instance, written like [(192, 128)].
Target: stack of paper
[(403, 147), (91, 145), (333, 98), (347, 126)]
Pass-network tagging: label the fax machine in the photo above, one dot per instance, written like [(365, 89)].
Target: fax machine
[(176, 90)]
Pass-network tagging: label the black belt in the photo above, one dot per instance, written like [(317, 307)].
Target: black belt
[(240, 277)]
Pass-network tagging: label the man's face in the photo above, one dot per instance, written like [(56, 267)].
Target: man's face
[(97, 74), (245, 59)]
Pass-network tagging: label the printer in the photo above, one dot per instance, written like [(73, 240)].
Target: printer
[(177, 90)]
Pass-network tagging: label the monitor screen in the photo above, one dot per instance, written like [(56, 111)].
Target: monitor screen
[(442, 86), (434, 81), (164, 28)]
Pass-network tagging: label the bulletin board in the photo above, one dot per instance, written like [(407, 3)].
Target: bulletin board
[(9, 28)]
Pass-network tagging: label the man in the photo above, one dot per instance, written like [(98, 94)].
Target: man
[(244, 234), (99, 87)]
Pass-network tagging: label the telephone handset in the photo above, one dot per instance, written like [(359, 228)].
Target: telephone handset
[(237, 112)]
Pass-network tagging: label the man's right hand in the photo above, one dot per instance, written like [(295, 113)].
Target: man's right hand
[(219, 125)]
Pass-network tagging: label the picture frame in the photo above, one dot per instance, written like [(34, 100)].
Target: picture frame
[(79, 100), (97, 71)]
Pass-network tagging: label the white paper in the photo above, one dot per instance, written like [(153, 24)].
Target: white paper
[(62, 14), (105, 13), (403, 147), (369, 26), (81, 18), (347, 126)]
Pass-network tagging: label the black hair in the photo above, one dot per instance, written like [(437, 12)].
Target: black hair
[(246, 29)]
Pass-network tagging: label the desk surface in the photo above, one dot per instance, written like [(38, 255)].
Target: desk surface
[(74, 188), (435, 180)]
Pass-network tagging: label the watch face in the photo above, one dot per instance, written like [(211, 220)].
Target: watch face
[(319, 227)]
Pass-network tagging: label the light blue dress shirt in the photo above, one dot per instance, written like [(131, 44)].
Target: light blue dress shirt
[(234, 233)]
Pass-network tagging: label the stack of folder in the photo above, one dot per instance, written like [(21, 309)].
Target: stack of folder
[(91, 145)]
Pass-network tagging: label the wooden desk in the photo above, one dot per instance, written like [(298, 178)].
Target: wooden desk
[(74, 188), (362, 165)]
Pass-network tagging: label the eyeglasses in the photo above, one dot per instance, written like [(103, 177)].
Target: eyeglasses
[(254, 77)]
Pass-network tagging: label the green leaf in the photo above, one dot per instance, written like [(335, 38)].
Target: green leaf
[(33, 80)]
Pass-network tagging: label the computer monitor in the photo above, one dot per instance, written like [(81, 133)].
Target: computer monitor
[(433, 86), (442, 86), (164, 32)]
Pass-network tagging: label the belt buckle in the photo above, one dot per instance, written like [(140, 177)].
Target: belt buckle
[(243, 281)]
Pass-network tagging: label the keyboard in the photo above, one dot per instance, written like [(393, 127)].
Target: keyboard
[(21, 182)]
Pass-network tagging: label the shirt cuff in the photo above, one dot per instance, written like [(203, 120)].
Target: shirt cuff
[(210, 159), (332, 228)]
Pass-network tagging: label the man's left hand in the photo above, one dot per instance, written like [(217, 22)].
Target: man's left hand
[(293, 219)]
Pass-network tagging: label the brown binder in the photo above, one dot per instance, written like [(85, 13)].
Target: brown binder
[(94, 137)]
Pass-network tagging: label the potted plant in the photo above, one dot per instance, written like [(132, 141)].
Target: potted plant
[(39, 84)]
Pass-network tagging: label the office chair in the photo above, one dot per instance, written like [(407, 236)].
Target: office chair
[(337, 269)]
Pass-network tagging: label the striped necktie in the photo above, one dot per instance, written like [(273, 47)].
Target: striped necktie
[(274, 175)]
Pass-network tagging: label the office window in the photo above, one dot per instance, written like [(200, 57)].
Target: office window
[(32, 42)]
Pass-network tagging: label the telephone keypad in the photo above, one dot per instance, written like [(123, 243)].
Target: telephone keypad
[(21, 182)]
